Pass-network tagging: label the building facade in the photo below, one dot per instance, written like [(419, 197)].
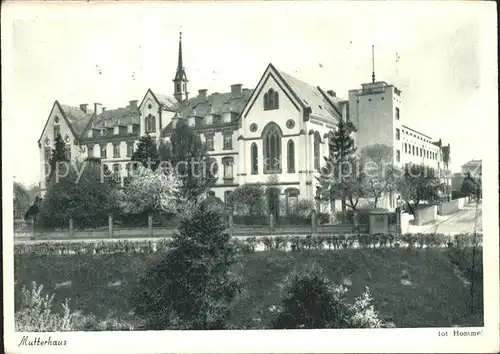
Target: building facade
[(276, 131)]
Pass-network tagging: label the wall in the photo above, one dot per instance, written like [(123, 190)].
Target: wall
[(425, 214), (452, 206)]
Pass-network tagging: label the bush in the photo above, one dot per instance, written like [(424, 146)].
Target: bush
[(35, 314), (190, 284), (311, 302)]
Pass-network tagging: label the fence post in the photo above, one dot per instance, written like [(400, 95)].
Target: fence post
[(398, 221), (110, 225), (70, 227), (271, 223), (150, 224), (230, 210), (314, 222)]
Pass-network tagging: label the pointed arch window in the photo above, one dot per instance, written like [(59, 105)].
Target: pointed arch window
[(150, 124), (317, 142), (291, 156), (255, 159), (271, 138), (271, 100)]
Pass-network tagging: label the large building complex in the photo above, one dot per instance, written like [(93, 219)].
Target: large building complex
[(279, 128)]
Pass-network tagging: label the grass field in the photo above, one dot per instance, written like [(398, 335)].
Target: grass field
[(411, 287)]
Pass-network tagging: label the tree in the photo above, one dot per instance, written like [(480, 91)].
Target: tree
[(311, 301), (272, 194), (417, 184), (58, 159), (146, 153), (190, 284), (21, 197), (84, 195), (471, 186), (380, 174), (339, 178), (248, 199), (187, 155), (150, 192)]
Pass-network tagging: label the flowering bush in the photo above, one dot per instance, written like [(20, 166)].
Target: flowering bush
[(151, 191), (36, 315)]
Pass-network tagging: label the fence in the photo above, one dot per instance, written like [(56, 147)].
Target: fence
[(26, 230), (452, 206)]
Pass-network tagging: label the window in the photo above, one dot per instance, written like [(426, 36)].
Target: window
[(178, 87), (209, 141), (228, 167), (413, 149), (103, 152), (116, 150), (317, 141), (272, 148), (254, 159), (397, 134), (90, 150), (291, 156), (209, 119), (47, 154), (398, 156), (397, 113), (406, 148), (150, 124), (57, 131), (227, 199), (228, 141), (191, 121), (67, 150), (130, 149), (421, 154), (271, 100)]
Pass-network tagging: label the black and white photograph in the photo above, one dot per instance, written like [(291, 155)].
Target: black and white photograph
[(250, 176)]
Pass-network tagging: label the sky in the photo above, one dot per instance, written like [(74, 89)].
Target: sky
[(112, 53)]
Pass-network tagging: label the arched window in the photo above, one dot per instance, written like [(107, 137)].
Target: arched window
[(317, 141), (150, 124), (291, 156), (271, 100), (271, 138), (254, 158)]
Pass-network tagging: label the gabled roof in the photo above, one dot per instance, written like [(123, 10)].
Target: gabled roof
[(76, 119), (116, 117), (312, 100)]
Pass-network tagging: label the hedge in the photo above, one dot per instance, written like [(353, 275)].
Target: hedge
[(250, 244)]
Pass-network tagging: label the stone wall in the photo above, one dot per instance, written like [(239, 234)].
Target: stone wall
[(424, 215)]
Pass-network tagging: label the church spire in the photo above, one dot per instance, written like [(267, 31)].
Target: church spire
[(180, 80)]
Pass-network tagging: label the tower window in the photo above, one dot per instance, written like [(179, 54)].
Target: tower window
[(397, 113), (397, 134), (398, 156), (178, 87)]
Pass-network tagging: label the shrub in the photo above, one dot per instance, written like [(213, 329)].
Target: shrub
[(35, 315), (311, 301), (190, 284)]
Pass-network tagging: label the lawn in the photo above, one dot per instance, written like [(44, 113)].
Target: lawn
[(411, 287)]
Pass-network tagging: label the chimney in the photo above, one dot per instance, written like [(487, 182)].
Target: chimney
[(332, 93), (202, 93), (83, 107), (236, 90), (97, 108), (133, 104)]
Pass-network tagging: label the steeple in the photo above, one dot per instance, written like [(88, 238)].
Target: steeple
[(373, 63), (180, 80)]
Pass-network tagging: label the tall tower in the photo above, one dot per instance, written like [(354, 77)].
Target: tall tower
[(180, 80)]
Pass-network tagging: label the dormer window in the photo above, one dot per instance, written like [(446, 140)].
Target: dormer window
[(271, 100), (227, 118), (209, 120), (191, 121)]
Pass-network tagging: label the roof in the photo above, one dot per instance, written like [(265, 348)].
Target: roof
[(167, 102), (115, 117), (313, 97), (473, 163), (216, 104), (76, 118)]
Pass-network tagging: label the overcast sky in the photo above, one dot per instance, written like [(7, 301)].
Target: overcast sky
[(85, 53)]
